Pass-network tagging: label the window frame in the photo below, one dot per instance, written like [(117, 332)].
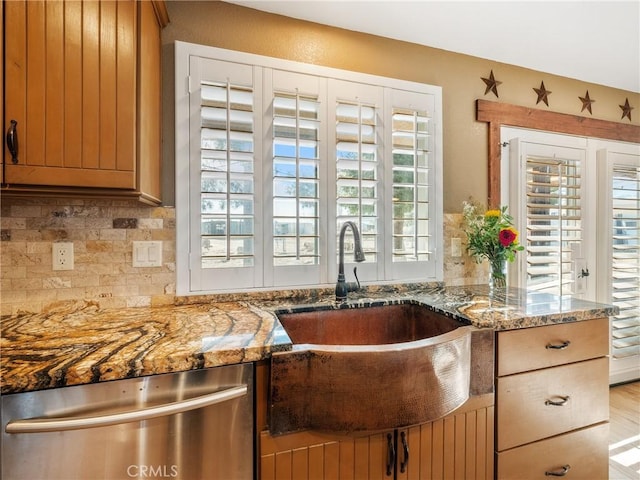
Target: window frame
[(520, 144), (185, 260)]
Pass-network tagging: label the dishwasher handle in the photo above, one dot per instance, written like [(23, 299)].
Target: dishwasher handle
[(39, 425)]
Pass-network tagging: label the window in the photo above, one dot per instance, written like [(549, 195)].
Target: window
[(619, 262), (272, 157), (410, 185), (296, 190), (357, 181), (226, 175), (547, 201), (576, 202)]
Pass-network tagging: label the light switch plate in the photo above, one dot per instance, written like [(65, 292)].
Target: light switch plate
[(147, 254)]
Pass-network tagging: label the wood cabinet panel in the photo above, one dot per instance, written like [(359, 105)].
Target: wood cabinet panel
[(149, 139), (459, 446), (583, 452), (73, 84), (82, 79), (524, 411), (39, 78), (529, 348)]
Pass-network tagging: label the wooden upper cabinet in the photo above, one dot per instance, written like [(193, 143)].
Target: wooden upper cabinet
[(82, 81)]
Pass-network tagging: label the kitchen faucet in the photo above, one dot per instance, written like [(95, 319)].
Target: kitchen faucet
[(343, 287)]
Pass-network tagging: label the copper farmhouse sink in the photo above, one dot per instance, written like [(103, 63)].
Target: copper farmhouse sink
[(368, 368), (366, 326)]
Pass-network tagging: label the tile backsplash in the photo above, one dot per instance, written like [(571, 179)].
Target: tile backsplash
[(102, 233)]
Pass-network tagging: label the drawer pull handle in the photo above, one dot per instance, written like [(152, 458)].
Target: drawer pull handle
[(558, 404), (558, 346), (560, 473)]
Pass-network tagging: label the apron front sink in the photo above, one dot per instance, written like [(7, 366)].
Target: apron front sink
[(368, 369)]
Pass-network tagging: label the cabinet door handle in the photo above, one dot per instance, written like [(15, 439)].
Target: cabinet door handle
[(558, 473), (556, 403), (405, 449), (558, 346), (391, 455), (12, 141)]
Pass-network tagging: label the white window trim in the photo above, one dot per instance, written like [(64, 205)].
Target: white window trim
[(183, 51)]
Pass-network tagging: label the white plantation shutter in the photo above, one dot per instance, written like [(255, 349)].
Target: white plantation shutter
[(546, 199), (357, 172), (625, 260), (413, 213), (356, 166), (554, 222), (620, 228), (296, 189), (223, 206), (296, 122), (272, 157)]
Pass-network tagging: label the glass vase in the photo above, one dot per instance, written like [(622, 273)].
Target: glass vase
[(497, 276)]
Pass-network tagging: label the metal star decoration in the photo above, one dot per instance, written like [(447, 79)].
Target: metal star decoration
[(626, 109), (586, 102), (543, 94), (492, 84)]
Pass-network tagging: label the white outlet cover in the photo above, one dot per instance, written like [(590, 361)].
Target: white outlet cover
[(62, 256)]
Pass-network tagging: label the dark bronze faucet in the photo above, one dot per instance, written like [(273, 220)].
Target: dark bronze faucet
[(342, 286)]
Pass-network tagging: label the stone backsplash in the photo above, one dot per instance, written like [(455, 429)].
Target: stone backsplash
[(102, 232)]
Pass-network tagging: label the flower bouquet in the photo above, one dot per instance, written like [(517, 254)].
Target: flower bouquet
[(491, 235)]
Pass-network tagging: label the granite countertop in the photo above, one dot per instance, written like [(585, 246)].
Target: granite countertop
[(77, 342)]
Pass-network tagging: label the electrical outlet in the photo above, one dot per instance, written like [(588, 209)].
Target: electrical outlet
[(63, 256)]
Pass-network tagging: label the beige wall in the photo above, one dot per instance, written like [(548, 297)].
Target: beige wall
[(233, 27)]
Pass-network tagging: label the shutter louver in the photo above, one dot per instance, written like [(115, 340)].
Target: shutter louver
[(410, 134), (227, 180), (356, 174), (625, 260), (296, 192), (554, 222)]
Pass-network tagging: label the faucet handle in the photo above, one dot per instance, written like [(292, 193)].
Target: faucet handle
[(355, 274)]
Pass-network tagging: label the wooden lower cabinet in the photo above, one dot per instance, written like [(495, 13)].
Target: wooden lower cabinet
[(579, 454), (552, 401), (459, 446), (543, 403)]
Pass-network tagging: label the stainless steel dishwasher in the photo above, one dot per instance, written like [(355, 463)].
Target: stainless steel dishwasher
[(192, 425)]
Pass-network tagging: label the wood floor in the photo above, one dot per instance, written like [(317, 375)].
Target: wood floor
[(624, 433)]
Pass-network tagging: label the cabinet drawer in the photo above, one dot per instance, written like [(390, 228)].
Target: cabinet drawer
[(532, 348), (583, 452), (524, 411)]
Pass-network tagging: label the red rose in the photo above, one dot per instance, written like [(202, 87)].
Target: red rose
[(507, 236)]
